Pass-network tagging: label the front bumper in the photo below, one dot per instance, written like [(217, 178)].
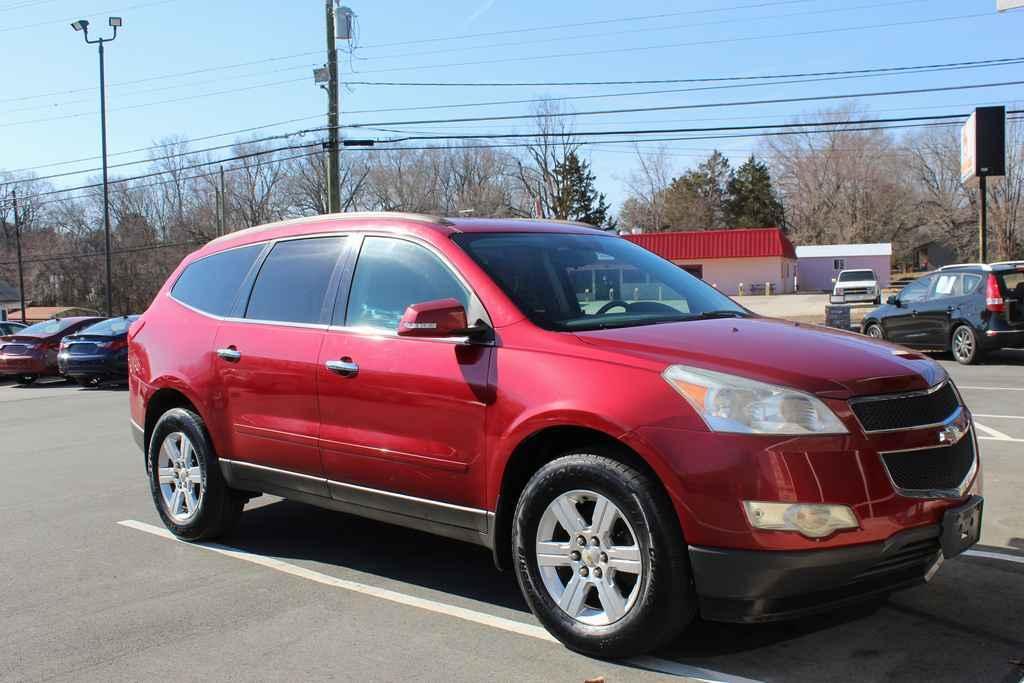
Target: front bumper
[(755, 586)]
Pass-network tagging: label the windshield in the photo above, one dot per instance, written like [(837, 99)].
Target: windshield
[(46, 328), (112, 327), (856, 275), (590, 282)]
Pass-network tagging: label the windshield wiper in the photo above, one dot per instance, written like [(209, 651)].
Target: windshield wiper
[(711, 315)]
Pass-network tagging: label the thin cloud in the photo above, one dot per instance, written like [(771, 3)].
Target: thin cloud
[(478, 12)]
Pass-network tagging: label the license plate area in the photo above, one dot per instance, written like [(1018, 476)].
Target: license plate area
[(961, 527)]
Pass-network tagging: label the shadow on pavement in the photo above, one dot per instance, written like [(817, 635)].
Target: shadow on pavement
[(960, 626)]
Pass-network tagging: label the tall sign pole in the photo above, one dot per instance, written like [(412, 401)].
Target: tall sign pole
[(17, 241), (983, 154)]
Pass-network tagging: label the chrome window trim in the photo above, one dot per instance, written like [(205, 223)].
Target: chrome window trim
[(369, 331), (231, 319), (932, 494), (908, 394)]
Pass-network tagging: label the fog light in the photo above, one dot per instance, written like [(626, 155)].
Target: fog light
[(810, 519)]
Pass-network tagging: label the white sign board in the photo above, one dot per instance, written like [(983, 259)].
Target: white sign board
[(1003, 5), (968, 149)]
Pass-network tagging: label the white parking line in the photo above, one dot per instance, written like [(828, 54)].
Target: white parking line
[(1000, 417), (994, 556), (994, 434), (687, 673), (958, 386)]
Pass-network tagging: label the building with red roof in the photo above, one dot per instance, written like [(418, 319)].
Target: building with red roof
[(744, 260)]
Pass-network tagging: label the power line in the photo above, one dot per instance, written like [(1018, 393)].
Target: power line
[(144, 149), (124, 250), (708, 105), (62, 21), (643, 48), (634, 93), (649, 29), (663, 81)]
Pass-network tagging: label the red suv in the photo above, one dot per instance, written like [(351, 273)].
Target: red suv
[(638, 448)]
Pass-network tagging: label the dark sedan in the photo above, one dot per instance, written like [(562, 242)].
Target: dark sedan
[(98, 353), (967, 309), (31, 353)]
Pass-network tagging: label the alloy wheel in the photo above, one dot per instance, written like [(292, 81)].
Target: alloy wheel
[(589, 557), (963, 344), (182, 484), (874, 331)]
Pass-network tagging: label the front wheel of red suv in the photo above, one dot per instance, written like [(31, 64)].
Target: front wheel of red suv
[(600, 557), (190, 493)]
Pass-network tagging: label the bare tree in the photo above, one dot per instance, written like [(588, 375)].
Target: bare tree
[(646, 184), (555, 141)]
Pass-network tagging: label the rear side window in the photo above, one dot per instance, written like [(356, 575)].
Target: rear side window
[(293, 281), (970, 283), (210, 284), (112, 327), (392, 274)]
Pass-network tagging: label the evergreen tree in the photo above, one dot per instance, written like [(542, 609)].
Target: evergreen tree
[(751, 201), (697, 199), (576, 197)]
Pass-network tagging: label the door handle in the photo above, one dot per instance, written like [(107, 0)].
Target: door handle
[(230, 354), (346, 367)]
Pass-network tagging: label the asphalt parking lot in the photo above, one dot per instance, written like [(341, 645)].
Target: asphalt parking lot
[(93, 589)]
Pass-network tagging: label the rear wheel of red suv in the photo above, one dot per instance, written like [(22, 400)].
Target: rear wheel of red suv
[(600, 557), (188, 489)]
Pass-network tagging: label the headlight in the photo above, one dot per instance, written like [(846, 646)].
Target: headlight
[(810, 519), (734, 404)]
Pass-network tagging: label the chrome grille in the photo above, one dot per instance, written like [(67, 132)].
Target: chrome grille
[(906, 411), (932, 472)]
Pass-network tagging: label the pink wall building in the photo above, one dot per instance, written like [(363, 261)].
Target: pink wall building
[(751, 257)]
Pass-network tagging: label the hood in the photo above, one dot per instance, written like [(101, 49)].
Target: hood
[(816, 359)]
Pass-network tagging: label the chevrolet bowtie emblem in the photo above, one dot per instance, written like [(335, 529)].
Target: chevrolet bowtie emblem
[(951, 434)]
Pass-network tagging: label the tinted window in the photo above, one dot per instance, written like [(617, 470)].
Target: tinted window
[(392, 274), (112, 327), (580, 282), (210, 284), (970, 282), (48, 327), (293, 281), (917, 290), (856, 275)]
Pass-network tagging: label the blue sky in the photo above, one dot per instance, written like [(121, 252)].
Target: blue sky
[(48, 101)]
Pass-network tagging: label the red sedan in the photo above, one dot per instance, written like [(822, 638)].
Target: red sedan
[(637, 447), (31, 353)]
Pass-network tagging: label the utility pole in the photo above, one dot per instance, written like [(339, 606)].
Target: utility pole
[(17, 241), (333, 157), (221, 203), (83, 26)]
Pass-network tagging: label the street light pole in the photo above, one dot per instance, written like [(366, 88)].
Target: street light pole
[(17, 241), (83, 26)]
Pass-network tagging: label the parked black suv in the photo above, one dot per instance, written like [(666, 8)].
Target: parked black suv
[(968, 309)]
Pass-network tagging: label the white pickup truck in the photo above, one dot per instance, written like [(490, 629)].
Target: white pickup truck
[(855, 286)]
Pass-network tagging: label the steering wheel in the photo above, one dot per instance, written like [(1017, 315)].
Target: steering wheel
[(612, 304)]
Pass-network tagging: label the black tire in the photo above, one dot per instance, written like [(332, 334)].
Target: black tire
[(25, 380), (219, 507), (666, 601), (965, 345), (87, 381), (875, 331)]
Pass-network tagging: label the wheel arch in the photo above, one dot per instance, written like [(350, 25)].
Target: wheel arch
[(162, 400), (541, 447)]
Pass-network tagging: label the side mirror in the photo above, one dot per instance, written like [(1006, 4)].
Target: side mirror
[(893, 300), (438, 318)]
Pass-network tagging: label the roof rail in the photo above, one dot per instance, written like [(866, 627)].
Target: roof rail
[(983, 266), (1008, 263), (348, 215)]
